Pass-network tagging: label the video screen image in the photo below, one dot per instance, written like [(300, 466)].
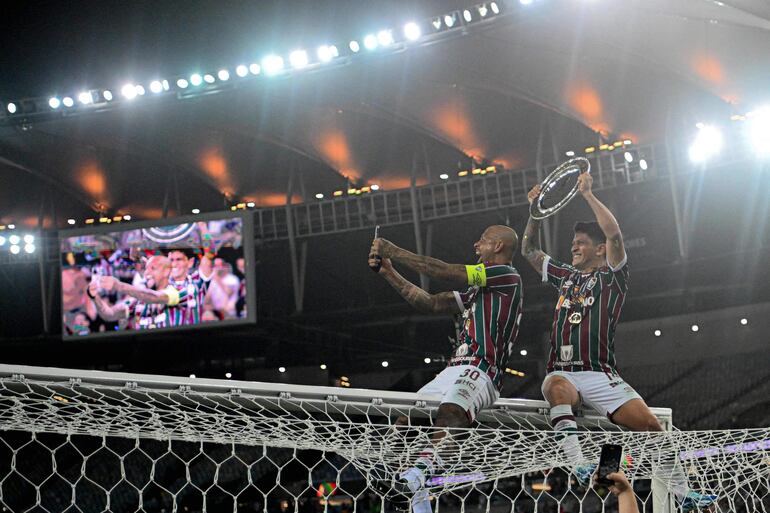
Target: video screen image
[(154, 278)]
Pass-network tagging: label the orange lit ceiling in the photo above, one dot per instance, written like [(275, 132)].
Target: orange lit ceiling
[(572, 70)]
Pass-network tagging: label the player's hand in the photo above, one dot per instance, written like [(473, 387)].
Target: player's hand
[(93, 286), (382, 248), (621, 484), (386, 266), (375, 262), (107, 283), (533, 193), (584, 183)]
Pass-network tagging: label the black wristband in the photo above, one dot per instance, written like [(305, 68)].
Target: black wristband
[(88, 293)]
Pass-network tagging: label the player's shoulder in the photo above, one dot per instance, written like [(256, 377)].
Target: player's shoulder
[(501, 270)]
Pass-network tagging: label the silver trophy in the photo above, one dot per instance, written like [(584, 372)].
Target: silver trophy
[(558, 188)]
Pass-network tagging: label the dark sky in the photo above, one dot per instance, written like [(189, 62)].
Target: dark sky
[(51, 47)]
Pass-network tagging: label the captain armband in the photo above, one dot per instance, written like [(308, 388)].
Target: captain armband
[(477, 275), (172, 294)]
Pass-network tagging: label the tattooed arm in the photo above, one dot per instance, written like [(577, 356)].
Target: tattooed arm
[(530, 245), (105, 311), (142, 294), (433, 267), (443, 302), (616, 251)]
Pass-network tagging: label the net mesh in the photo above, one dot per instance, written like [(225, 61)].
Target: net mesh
[(105, 442)]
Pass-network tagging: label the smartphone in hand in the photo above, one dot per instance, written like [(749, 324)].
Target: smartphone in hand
[(609, 462)]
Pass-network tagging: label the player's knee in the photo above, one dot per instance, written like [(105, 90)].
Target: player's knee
[(558, 391), (653, 424)]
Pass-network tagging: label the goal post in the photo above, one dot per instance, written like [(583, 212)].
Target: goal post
[(74, 440)]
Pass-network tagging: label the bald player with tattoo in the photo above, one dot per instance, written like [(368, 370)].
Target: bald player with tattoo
[(491, 308)]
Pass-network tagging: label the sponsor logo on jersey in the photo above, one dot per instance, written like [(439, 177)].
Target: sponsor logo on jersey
[(462, 350), (566, 353), (591, 283)]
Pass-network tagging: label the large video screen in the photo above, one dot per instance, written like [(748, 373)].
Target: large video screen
[(157, 276)]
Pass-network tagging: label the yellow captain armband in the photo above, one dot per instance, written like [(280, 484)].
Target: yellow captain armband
[(172, 294), (477, 275)]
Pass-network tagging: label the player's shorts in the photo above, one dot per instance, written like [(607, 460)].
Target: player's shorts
[(465, 386), (599, 391)]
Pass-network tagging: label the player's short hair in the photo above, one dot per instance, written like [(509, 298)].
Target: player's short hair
[(185, 251), (592, 229)]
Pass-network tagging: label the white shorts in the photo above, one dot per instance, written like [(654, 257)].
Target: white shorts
[(464, 385), (599, 391)]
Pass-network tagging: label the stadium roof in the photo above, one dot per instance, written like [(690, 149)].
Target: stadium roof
[(577, 70)]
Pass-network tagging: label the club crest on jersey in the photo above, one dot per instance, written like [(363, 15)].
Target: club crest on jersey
[(568, 283), (462, 350), (591, 283), (566, 353)]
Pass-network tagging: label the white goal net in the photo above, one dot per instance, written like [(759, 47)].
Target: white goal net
[(86, 441)]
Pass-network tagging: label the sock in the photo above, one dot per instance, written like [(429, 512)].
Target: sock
[(421, 502), (563, 422)]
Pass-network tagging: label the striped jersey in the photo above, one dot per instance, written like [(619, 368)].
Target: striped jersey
[(491, 314), (588, 309), (190, 312), (145, 316)]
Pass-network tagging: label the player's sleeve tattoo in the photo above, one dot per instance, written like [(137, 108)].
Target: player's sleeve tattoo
[(530, 246), (433, 267), (107, 312), (421, 300)]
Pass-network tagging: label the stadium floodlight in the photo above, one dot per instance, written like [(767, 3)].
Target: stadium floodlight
[(426, 360), (694, 328), (298, 59), (323, 366), (436, 23), (495, 8), (707, 144), (444, 176), (657, 333), (127, 217), (85, 98), (107, 95), (228, 375), (523, 2), (29, 239), (192, 376), (196, 79), (140, 90), (643, 164), (759, 131), (156, 87), (196, 211), (281, 369), (272, 64), (209, 78), (128, 91), (165, 85), (11, 226), (182, 83), (29, 248), (744, 321), (629, 158), (375, 187), (14, 239), (523, 352), (467, 16), (324, 53), (71, 221), (385, 37), (2, 240), (241, 70), (385, 363), (319, 195), (483, 11), (412, 31), (370, 42), (15, 249), (12, 108), (54, 102), (255, 69), (223, 75), (449, 20), (68, 102)]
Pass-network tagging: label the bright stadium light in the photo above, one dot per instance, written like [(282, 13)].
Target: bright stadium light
[(11, 226), (467, 16), (107, 94), (495, 8), (156, 86), (375, 187), (643, 164), (298, 59), (327, 52), (694, 328), (255, 69), (127, 217), (444, 176), (68, 102), (385, 363), (629, 158), (29, 239), (196, 211), (385, 37), (657, 333), (525, 2), (323, 366), (223, 75), (140, 90), (354, 46), (14, 239), (192, 376), (196, 79), (209, 78), (54, 102), (29, 248), (759, 131), (483, 11), (182, 83), (85, 98), (281, 369), (2, 240), (242, 70), (707, 144), (436, 23), (128, 91), (11, 108), (744, 321), (272, 64), (15, 249), (370, 42), (412, 31), (319, 195), (228, 375), (71, 221), (449, 20), (426, 360)]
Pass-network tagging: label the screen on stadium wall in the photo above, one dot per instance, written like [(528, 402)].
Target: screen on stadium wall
[(162, 275)]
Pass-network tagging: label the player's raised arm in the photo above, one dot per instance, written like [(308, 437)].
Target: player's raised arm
[(443, 302), (616, 252), (455, 274), (167, 296), (530, 245), (105, 310)]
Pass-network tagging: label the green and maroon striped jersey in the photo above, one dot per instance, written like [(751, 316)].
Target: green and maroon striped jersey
[(588, 309), (146, 316), (192, 310), (491, 312)]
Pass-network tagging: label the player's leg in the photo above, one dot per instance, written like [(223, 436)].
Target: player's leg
[(561, 391)]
